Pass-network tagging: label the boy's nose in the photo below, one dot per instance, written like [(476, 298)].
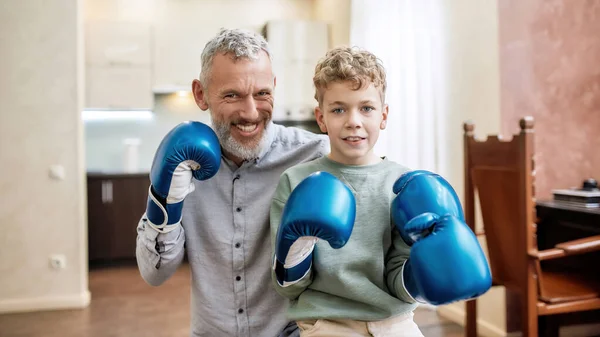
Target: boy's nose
[(353, 120)]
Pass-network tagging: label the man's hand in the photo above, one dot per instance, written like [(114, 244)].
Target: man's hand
[(191, 149)]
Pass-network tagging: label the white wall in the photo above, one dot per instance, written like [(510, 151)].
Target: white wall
[(474, 94), (337, 14), (40, 101)]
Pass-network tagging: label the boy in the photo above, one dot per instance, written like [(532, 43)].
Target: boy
[(351, 291)]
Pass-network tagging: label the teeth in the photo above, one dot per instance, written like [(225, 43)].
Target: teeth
[(353, 139), (247, 128)]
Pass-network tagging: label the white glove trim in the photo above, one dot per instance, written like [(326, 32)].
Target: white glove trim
[(182, 173), (286, 283), (300, 250), (404, 287)]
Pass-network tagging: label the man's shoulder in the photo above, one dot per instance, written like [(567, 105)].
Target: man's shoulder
[(293, 136)]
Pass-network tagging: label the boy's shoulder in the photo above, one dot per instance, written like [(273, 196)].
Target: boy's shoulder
[(396, 168), (291, 177), (304, 169)]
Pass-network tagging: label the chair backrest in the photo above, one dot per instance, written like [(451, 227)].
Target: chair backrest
[(501, 173)]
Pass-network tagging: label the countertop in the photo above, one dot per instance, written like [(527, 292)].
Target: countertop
[(116, 174)]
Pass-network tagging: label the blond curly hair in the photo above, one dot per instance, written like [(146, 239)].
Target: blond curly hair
[(352, 64)]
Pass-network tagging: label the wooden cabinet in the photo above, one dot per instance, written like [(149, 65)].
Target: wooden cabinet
[(118, 65), (177, 50), (116, 203), (118, 88)]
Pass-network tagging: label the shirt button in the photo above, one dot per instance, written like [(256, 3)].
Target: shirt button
[(239, 209), (240, 311), (237, 278), (237, 176), (237, 245)]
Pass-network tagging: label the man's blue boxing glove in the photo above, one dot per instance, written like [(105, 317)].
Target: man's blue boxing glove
[(446, 262), (191, 149), (321, 206)]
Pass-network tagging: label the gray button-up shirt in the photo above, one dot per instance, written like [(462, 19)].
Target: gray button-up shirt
[(225, 232)]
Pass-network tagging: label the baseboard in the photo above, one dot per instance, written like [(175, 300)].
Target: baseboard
[(488, 330), (483, 328), (45, 303)]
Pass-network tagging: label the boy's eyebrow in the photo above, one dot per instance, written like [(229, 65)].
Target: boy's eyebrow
[(367, 101)]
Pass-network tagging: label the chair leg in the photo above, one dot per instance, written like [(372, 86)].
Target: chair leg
[(471, 324), (530, 318)]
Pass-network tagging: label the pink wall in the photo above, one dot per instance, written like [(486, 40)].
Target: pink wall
[(550, 69)]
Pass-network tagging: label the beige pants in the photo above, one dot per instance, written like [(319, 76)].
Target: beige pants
[(401, 325)]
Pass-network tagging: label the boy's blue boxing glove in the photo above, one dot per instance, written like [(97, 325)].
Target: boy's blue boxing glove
[(321, 206), (191, 149), (446, 262)]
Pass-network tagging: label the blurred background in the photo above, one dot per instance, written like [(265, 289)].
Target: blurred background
[(90, 87)]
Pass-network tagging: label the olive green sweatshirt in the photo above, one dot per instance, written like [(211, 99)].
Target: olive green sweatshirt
[(363, 279)]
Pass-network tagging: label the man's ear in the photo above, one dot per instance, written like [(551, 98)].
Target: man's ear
[(200, 95), (319, 118), (384, 116)]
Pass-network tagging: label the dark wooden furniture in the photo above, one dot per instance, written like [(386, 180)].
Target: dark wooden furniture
[(501, 172), (115, 204)]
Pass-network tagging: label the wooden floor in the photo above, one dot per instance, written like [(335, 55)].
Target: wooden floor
[(124, 306)]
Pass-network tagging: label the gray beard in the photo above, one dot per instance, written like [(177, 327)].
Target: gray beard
[(235, 148)]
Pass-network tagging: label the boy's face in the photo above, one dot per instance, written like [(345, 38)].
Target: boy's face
[(352, 119)]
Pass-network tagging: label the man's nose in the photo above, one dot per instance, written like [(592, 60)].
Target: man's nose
[(249, 110)]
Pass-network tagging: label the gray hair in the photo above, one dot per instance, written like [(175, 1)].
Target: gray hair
[(237, 42)]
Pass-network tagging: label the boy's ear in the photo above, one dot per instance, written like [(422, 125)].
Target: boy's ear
[(384, 116), (319, 118)]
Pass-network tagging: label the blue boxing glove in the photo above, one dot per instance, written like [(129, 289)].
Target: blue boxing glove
[(191, 149), (446, 262), (321, 206)]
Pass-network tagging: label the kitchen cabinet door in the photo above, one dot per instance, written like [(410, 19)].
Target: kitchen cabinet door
[(119, 88), (115, 206), (118, 66), (101, 218), (117, 43), (131, 195)]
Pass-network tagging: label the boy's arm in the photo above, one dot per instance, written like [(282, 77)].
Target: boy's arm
[(282, 193), (394, 263)]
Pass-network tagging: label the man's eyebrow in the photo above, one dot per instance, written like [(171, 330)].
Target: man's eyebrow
[(229, 91), (337, 103)]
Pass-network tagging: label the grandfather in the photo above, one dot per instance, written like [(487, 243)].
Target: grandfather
[(223, 226)]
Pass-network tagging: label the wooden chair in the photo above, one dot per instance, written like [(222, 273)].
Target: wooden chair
[(502, 173)]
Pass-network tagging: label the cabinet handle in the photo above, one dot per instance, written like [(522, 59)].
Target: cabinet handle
[(107, 192)]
